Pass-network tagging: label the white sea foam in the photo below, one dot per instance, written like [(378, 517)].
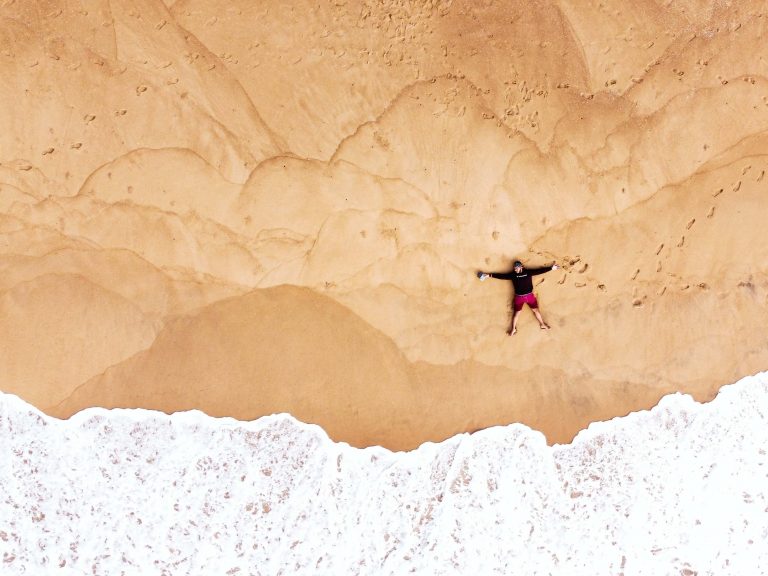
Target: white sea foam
[(681, 489)]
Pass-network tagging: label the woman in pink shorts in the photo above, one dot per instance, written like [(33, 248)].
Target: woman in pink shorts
[(522, 280)]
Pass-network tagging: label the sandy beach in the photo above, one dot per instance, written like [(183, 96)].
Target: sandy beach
[(255, 208)]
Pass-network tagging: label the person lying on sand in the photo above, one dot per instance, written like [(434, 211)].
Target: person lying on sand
[(522, 280)]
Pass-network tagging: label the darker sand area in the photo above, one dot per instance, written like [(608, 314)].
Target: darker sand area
[(249, 208)]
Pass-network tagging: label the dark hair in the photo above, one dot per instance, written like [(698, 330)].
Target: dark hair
[(517, 263)]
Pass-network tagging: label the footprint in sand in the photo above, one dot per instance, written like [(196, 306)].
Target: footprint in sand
[(716, 194), (762, 175), (659, 249), (711, 212), (682, 242), (737, 186), (690, 223), (636, 273)]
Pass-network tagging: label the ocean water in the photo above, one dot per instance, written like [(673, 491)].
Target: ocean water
[(678, 490)]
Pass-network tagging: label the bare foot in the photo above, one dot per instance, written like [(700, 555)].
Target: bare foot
[(511, 331), (544, 326)]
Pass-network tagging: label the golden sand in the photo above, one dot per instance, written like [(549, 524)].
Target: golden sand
[(249, 208)]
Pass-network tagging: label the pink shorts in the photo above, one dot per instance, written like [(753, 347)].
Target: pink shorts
[(529, 299)]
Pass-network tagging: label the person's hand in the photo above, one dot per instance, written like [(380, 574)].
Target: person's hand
[(555, 266)]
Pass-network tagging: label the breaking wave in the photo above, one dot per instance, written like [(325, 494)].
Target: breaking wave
[(680, 489)]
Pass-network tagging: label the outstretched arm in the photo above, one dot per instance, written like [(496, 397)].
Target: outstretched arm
[(501, 275), (537, 271), (498, 275)]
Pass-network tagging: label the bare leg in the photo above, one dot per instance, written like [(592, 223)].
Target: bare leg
[(513, 329), (543, 325)]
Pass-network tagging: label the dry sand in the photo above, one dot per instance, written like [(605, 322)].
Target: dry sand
[(250, 208)]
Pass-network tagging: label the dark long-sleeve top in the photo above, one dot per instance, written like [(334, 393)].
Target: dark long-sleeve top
[(523, 281)]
